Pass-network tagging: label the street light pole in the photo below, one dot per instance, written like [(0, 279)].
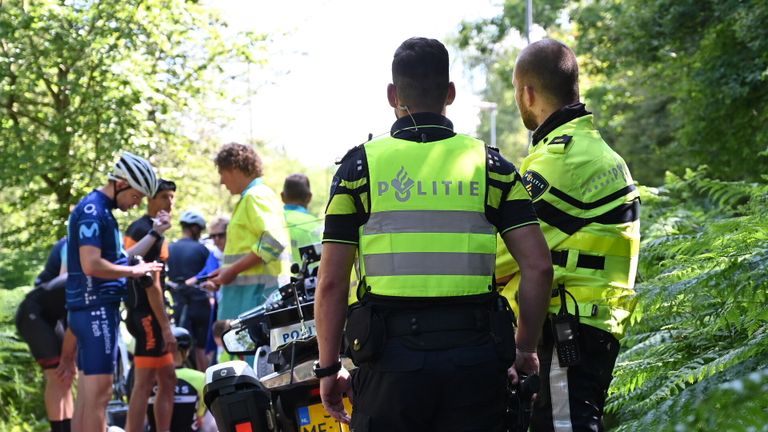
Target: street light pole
[(528, 20), (492, 107)]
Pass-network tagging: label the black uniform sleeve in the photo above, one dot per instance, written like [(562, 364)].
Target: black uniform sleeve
[(348, 205), (508, 205)]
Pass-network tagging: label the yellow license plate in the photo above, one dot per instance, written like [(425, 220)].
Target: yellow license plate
[(314, 418)]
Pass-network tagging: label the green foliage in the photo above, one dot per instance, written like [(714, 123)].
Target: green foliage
[(681, 82), (81, 80), (699, 344), (673, 84), (21, 380)]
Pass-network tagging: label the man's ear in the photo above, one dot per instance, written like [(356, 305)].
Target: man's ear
[(392, 96), (121, 184), (449, 98), (529, 93)]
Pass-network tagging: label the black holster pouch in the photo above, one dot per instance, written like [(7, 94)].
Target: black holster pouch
[(503, 329), (365, 333)]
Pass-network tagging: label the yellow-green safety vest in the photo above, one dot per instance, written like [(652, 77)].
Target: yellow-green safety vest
[(304, 228), (427, 234), (588, 210)]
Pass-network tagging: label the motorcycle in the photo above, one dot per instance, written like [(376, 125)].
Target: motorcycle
[(279, 392)]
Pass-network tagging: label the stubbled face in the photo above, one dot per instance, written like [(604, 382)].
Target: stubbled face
[(128, 199), (526, 112)]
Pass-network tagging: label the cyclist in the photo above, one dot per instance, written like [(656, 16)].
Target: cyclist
[(147, 320), (55, 265), (159, 205), (188, 407), (188, 260), (40, 321), (96, 264), (218, 236)]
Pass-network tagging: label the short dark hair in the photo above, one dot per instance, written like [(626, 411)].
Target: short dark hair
[(296, 187), (164, 185), (420, 72), (240, 157), (552, 66)]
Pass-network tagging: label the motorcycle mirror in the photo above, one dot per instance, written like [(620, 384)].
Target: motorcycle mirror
[(237, 341)]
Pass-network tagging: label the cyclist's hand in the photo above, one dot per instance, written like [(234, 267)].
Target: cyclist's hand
[(170, 340), (66, 370), (526, 363), (332, 390), (161, 222), (142, 269), (209, 286)]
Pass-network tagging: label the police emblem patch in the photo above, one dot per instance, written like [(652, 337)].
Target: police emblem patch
[(535, 184)]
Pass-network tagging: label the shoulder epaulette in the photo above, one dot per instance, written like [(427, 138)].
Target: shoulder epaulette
[(497, 163), (349, 153), (558, 144)]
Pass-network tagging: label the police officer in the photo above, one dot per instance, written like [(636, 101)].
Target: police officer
[(304, 228), (588, 208), (422, 207)]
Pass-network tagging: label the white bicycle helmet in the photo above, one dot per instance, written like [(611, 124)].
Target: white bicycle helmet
[(192, 217), (137, 171)]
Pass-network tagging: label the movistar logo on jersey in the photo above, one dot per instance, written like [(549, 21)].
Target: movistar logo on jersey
[(403, 187), (89, 231)]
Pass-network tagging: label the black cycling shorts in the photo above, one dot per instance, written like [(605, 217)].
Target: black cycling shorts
[(150, 348), (44, 338), (195, 316)]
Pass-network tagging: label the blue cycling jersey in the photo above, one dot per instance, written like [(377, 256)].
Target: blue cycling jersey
[(92, 224)]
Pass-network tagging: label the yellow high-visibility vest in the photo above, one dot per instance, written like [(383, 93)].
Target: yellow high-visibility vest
[(588, 209), (427, 234)]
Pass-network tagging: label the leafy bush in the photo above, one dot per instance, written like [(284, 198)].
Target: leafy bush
[(21, 380), (699, 346)]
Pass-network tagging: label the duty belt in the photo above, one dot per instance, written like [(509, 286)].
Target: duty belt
[(427, 321), (560, 258)]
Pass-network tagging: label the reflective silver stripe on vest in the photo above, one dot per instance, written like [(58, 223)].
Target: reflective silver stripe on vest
[(428, 221), (231, 259), (558, 391), (429, 263), (254, 280)]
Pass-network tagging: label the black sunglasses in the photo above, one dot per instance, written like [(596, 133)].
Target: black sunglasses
[(214, 235)]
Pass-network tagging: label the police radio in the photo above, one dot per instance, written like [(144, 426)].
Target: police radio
[(565, 328)]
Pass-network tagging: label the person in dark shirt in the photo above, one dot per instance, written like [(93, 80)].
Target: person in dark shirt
[(40, 320), (160, 204), (189, 259), (54, 264), (147, 320)]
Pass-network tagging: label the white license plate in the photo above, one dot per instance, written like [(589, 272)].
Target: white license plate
[(286, 334)]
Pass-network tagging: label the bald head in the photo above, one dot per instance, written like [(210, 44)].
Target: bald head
[(550, 67)]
